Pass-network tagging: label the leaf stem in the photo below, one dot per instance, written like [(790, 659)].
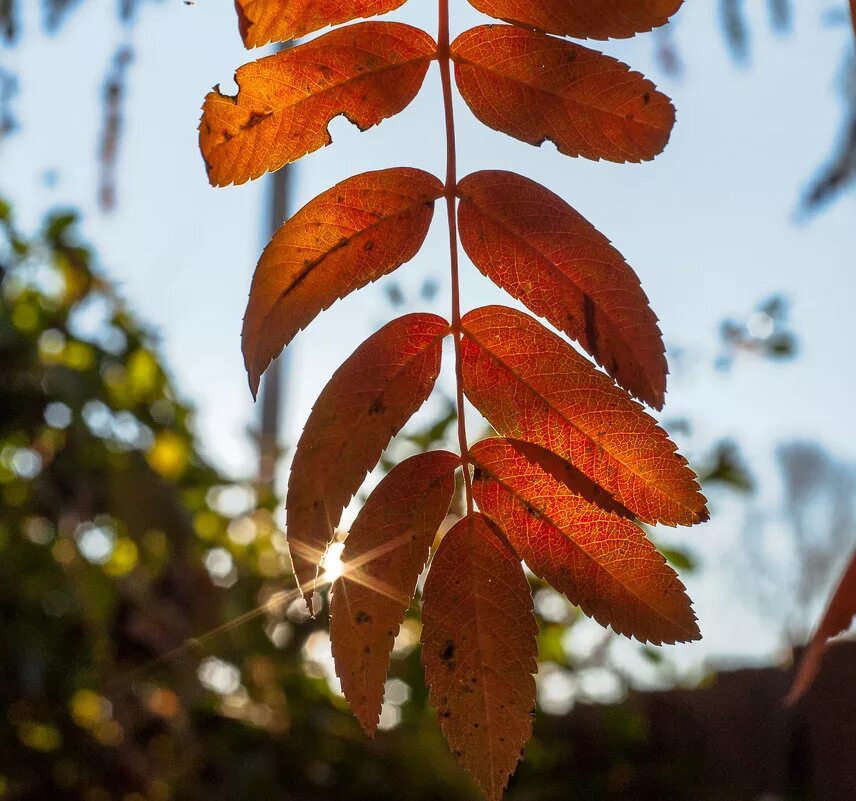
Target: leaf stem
[(450, 193)]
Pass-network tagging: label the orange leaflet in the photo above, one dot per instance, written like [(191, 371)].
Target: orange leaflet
[(535, 87), (536, 247), (836, 620), (384, 554), (584, 19), (263, 21), (531, 385), (367, 72), (603, 563), (352, 234), (367, 401), (478, 651)]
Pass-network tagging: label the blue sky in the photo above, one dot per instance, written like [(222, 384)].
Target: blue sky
[(708, 226)]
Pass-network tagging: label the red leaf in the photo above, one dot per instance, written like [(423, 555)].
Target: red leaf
[(836, 620), (531, 385), (536, 247), (603, 563), (478, 651), (584, 19), (384, 554), (367, 401), (366, 72), (356, 232), (264, 21), (535, 87)]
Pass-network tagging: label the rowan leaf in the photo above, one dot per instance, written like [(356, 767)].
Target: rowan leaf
[(532, 385), (603, 563), (367, 401), (356, 232), (535, 246), (479, 650), (536, 87), (366, 72), (263, 21), (384, 554), (583, 19), (836, 620)]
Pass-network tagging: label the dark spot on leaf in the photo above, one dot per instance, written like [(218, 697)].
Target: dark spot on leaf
[(448, 651), (363, 617), (255, 118), (377, 407)]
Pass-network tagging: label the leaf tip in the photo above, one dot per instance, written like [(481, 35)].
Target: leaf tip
[(254, 379)]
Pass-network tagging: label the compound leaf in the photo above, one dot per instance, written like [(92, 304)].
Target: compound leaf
[(367, 401), (478, 650), (385, 552), (535, 246), (352, 234), (531, 385), (583, 19), (605, 564), (367, 72), (536, 87), (263, 21)]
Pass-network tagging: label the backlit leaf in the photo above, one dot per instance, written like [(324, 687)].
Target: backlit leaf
[(366, 72), (352, 234), (384, 554), (536, 87), (583, 19), (603, 563), (536, 247), (367, 401), (264, 21), (478, 651), (531, 385), (836, 620)]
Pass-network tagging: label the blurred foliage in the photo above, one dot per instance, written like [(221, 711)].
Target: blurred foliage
[(838, 174), (150, 650), (118, 545), (765, 332), (725, 466), (54, 14)]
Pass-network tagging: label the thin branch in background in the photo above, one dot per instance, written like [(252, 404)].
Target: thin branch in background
[(840, 171), (8, 90), (55, 12), (126, 10), (667, 53), (735, 28), (115, 90), (8, 21), (781, 14)]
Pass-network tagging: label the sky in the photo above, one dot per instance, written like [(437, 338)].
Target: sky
[(709, 227)]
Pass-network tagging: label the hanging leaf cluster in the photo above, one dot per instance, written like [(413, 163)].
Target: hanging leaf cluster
[(578, 464)]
